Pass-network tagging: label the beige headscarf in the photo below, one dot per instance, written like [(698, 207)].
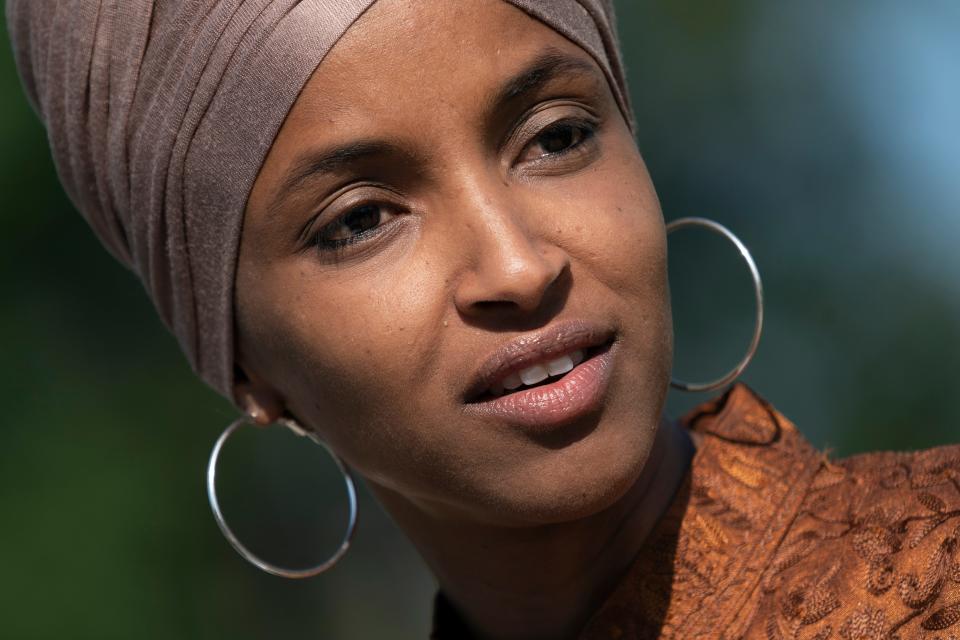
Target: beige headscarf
[(160, 113)]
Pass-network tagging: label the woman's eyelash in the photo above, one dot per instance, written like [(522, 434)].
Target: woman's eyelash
[(578, 126), (365, 219)]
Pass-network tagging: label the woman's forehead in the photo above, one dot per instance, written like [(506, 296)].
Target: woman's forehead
[(400, 57)]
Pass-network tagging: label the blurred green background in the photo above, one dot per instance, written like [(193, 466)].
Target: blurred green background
[(826, 135)]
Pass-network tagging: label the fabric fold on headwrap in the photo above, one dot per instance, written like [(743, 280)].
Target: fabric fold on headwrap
[(160, 114)]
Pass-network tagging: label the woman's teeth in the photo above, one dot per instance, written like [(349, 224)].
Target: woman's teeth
[(538, 372)]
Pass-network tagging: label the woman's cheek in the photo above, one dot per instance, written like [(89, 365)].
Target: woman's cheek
[(618, 236), (369, 345)]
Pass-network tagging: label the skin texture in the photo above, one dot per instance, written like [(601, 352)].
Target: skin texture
[(493, 223)]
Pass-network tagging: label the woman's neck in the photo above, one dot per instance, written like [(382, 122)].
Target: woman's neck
[(545, 581)]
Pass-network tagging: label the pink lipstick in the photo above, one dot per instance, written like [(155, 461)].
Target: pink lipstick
[(544, 380)]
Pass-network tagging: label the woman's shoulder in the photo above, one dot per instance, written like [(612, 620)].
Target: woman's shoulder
[(745, 431), (871, 546), (883, 531)]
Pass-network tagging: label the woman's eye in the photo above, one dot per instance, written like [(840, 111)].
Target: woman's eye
[(557, 139), (356, 224)]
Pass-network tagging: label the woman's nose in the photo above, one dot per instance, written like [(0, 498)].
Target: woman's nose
[(513, 267)]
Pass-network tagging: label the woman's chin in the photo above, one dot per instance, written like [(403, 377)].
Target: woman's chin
[(576, 483)]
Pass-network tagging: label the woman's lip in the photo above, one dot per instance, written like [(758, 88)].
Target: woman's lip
[(537, 348), (578, 393)]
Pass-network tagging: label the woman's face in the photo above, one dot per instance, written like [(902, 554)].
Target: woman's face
[(456, 182)]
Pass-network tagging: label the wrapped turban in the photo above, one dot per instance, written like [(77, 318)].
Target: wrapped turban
[(160, 113)]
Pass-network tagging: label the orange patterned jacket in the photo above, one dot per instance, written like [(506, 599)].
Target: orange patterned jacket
[(769, 539)]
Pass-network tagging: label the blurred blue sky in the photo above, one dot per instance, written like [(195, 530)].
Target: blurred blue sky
[(891, 71)]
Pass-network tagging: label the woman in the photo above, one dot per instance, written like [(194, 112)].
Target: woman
[(422, 232)]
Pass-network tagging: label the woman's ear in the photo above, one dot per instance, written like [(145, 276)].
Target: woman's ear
[(258, 400)]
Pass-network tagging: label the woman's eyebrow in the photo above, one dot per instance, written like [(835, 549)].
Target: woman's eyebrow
[(549, 65), (316, 162)]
